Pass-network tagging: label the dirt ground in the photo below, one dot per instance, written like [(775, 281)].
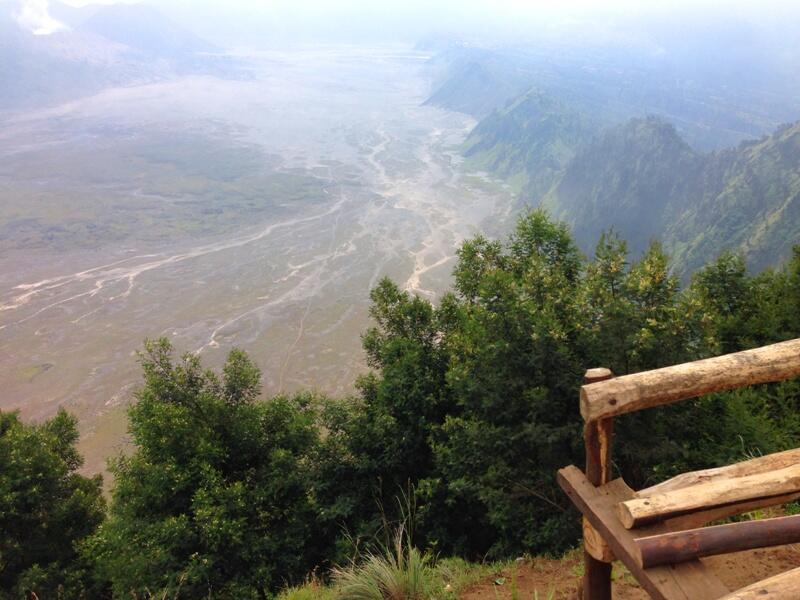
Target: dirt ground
[(546, 579)]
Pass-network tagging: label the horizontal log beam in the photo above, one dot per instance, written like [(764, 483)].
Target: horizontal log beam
[(703, 517), (754, 466), (680, 546), (672, 384), (658, 507), (783, 586)]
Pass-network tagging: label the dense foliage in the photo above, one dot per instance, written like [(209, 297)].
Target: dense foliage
[(474, 401), (47, 509), (469, 409), (215, 500)]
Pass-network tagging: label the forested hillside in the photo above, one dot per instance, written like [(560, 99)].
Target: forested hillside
[(529, 142), (637, 178), (647, 183), (751, 203)]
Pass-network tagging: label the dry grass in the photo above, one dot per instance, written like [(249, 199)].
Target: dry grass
[(401, 572)]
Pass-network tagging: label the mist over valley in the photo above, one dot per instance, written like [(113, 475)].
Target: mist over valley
[(156, 183)]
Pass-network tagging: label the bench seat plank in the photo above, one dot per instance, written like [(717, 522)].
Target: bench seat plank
[(784, 586), (754, 466)]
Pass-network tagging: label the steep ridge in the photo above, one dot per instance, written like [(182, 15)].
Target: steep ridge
[(577, 140), (730, 96), (636, 178), (750, 203), (529, 142), (475, 81), (644, 181)]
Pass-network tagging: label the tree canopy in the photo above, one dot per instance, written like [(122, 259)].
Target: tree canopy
[(47, 509), (470, 407)]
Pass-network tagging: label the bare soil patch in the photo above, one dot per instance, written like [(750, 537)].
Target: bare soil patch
[(549, 579)]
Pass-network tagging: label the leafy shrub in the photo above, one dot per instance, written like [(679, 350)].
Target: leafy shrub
[(474, 401), (46, 509), (215, 499)]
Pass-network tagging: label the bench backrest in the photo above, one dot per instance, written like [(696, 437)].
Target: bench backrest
[(658, 387)]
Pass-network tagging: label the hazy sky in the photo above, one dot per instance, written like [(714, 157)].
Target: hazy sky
[(247, 20)]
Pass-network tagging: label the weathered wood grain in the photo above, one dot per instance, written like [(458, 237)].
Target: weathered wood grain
[(785, 586), (597, 555), (671, 384), (700, 518), (754, 466), (594, 544), (722, 492)]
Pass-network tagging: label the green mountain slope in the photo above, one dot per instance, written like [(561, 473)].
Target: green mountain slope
[(751, 203), (529, 142), (636, 178), (475, 81), (644, 181)]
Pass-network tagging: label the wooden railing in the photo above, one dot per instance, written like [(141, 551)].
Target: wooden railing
[(603, 397)]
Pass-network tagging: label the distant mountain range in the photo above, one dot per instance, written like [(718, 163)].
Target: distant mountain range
[(714, 103), (639, 175), (145, 29), (101, 46)]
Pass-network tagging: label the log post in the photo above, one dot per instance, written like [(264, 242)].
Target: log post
[(597, 556)]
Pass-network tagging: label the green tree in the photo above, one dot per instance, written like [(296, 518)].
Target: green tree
[(410, 397), (47, 509), (486, 383), (730, 297), (609, 322), (215, 499), (377, 445), (514, 366)]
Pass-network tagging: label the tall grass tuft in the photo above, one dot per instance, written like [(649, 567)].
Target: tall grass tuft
[(400, 572)]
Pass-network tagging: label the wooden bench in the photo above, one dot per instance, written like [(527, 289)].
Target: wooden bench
[(658, 532)]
